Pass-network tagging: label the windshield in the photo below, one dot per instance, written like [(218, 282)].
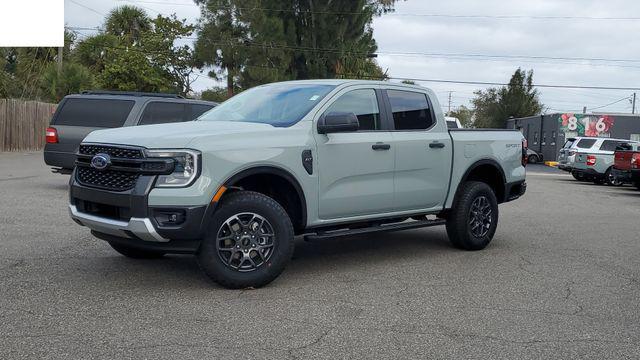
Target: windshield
[(280, 105)]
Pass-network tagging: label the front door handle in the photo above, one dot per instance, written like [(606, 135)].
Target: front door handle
[(380, 146), (436, 145)]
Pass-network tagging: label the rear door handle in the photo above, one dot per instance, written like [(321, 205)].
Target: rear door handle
[(380, 146), (436, 145)]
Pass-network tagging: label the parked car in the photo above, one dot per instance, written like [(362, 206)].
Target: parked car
[(320, 158), (79, 114), (596, 163), (453, 123), (534, 157), (626, 166), (566, 155)]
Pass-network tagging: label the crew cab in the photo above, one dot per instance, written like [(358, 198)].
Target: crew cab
[(318, 158), (626, 165), (596, 162), (79, 114)]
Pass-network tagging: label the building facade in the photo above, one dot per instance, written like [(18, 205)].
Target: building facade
[(546, 134)]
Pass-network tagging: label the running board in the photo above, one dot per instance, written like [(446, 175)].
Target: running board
[(373, 229)]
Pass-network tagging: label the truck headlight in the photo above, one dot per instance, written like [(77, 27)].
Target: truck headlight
[(186, 169)]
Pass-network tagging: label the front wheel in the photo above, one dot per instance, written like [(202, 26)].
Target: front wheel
[(533, 159), (474, 217), (248, 243)]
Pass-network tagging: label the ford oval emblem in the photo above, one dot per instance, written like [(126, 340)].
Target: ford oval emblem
[(100, 161)]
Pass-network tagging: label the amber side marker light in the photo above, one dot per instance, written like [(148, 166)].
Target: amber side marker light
[(218, 194)]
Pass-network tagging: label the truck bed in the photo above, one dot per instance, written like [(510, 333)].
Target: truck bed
[(485, 147)]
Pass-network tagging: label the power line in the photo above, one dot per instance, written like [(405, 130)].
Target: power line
[(489, 83), (615, 102), (441, 15), (88, 8), (484, 83)]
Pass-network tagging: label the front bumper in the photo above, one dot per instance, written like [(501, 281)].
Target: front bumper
[(125, 217)]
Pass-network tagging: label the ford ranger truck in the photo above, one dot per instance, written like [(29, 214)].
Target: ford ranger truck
[(316, 159)]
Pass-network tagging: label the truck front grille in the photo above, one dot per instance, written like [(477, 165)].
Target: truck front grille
[(107, 179), (122, 179), (113, 151)]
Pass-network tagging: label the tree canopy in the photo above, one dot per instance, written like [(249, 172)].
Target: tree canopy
[(493, 106), (253, 42)]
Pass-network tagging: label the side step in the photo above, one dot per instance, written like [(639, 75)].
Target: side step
[(373, 229)]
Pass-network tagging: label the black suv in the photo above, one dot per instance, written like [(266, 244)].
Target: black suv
[(79, 114)]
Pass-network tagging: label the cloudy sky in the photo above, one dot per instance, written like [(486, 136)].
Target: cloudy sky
[(565, 42)]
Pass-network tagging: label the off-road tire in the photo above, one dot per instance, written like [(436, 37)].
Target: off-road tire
[(210, 260), (136, 253), (458, 225)]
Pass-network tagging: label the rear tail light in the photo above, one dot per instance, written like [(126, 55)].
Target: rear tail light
[(525, 146), (591, 160), (51, 135), (635, 161)]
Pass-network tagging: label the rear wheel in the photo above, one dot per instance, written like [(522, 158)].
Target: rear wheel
[(578, 176), (248, 243), (611, 179), (136, 253), (533, 159), (474, 217)]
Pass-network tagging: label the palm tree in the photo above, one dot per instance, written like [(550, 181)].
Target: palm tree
[(128, 22)]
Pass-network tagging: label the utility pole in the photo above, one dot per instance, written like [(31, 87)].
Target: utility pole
[(584, 110), (59, 60), (449, 112), (633, 104)]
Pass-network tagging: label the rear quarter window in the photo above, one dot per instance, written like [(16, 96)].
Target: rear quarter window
[(610, 145), (158, 112), (102, 113), (585, 143), (199, 109)]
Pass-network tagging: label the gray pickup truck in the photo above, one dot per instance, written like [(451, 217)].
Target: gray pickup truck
[(320, 159)]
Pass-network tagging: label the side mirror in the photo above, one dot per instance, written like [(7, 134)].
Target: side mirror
[(338, 122)]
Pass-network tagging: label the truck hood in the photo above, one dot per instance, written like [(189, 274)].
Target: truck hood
[(174, 135)]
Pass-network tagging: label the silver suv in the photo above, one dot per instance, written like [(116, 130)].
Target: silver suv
[(595, 163)]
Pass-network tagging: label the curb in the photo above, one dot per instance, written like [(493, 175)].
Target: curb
[(551, 163)]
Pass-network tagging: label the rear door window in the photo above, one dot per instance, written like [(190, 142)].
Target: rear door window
[(568, 143), (158, 112), (102, 113), (410, 110), (585, 143)]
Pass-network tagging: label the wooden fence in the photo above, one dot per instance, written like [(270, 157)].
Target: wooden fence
[(23, 123)]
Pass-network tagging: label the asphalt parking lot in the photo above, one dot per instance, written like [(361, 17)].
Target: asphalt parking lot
[(561, 279)]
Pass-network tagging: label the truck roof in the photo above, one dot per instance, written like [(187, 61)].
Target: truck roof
[(337, 82)]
